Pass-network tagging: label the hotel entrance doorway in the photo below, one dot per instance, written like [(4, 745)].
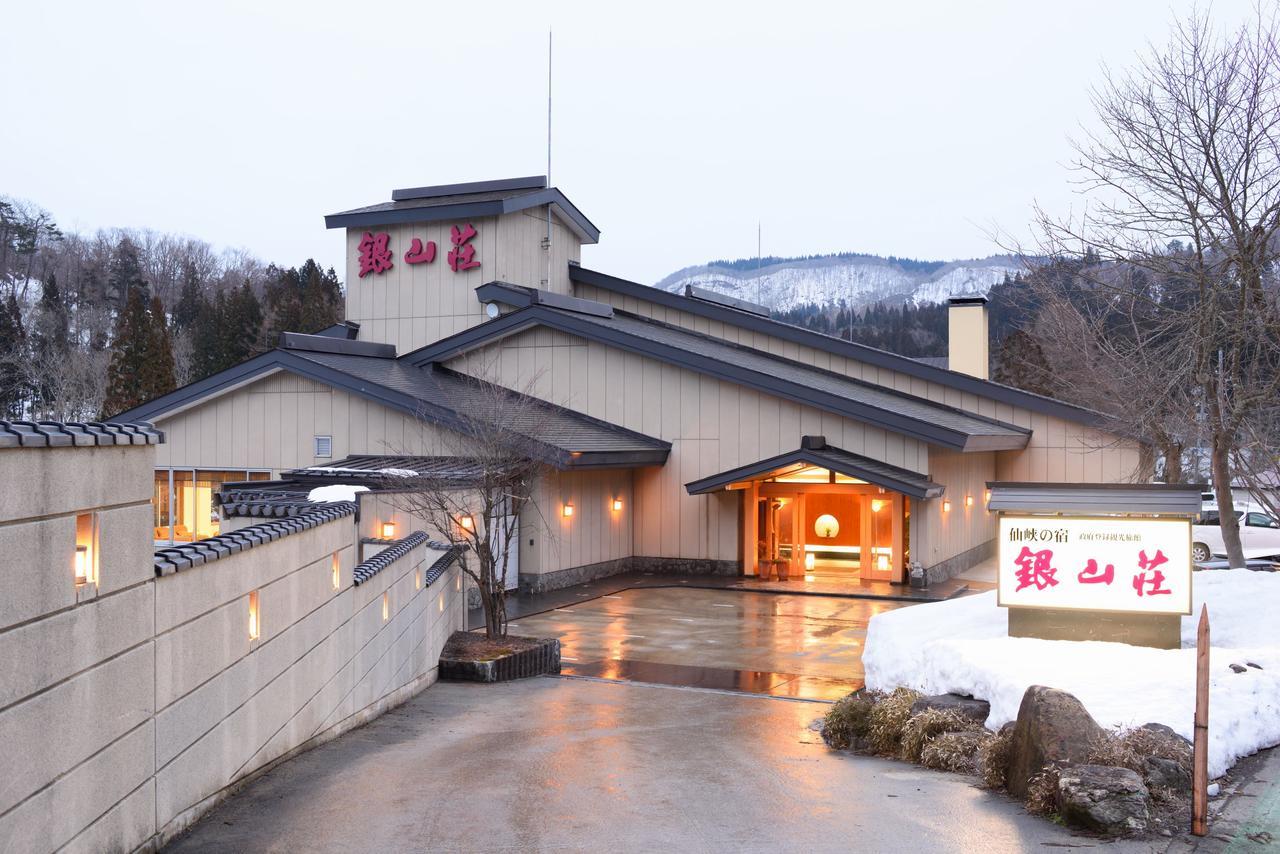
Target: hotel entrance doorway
[(830, 531)]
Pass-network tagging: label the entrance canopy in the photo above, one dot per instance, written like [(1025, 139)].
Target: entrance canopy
[(814, 452)]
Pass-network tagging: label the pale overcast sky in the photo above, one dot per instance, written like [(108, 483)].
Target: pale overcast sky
[(904, 128)]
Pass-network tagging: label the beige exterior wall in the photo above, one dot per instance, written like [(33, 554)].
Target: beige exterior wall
[(128, 710), (938, 534), (712, 425), (412, 305), (968, 340), (1064, 451)]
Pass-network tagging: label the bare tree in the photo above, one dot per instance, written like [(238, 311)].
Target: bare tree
[(476, 493), (1183, 178)]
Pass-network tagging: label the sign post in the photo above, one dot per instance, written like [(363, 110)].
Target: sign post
[(1200, 749)]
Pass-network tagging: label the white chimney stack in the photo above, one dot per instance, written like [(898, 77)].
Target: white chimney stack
[(967, 336)]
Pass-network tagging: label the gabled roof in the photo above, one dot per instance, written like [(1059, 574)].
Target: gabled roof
[(918, 368), (814, 451), (566, 438), (463, 201), (916, 417)]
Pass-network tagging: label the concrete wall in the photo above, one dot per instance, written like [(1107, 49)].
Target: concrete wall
[(126, 711), (413, 305)]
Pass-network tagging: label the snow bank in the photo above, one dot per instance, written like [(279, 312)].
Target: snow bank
[(336, 492), (962, 646)]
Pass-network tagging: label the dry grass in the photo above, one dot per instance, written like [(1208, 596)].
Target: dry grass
[(849, 719), (1042, 792), (955, 751), (921, 729), (1130, 748), (887, 719), (993, 759)]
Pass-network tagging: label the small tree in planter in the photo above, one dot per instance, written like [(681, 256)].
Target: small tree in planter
[(474, 497)]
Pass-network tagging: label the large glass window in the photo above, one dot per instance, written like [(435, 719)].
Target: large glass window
[(184, 501)]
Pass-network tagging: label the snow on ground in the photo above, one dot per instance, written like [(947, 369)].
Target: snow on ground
[(389, 472), (961, 645), (336, 492)]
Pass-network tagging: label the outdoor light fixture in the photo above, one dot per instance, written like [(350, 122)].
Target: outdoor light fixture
[(388, 530), (826, 526), (988, 498), (386, 607), (882, 563), (946, 505), (255, 624), (417, 579), (877, 504), (968, 501), (457, 583), (337, 571), (467, 523), (808, 562), (440, 601), (568, 509), (82, 564), (617, 504)]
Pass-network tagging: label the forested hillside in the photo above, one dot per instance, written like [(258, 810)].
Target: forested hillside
[(92, 324)]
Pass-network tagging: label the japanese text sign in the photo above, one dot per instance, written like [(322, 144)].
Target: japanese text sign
[(1096, 564)]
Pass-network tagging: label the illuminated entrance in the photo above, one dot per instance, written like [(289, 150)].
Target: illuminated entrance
[(824, 514)]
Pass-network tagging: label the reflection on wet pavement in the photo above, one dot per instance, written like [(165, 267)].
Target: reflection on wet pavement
[(801, 646)]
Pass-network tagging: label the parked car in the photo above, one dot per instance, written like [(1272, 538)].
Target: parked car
[(1259, 536)]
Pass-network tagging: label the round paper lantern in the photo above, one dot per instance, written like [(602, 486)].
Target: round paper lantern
[(826, 526)]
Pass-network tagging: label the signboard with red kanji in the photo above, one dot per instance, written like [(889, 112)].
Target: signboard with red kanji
[(1129, 564)]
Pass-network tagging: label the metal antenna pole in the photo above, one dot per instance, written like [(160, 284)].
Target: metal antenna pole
[(548, 240)]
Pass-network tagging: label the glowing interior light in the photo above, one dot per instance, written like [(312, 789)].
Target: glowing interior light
[(337, 571), (882, 563), (255, 625), (877, 504), (826, 526), (809, 561), (417, 579), (388, 530), (386, 607), (82, 564), (440, 601)]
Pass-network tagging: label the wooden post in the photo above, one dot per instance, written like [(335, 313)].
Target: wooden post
[(1200, 754)]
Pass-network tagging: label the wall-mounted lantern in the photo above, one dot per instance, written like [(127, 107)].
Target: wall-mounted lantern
[(336, 571), (568, 509), (82, 565), (388, 530), (878, 504), (467, 522), (809, 562), (255, 620), (946, 505), (617, 504), (968, 501)]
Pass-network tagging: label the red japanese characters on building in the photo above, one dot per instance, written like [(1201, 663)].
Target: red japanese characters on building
[(375, 253)]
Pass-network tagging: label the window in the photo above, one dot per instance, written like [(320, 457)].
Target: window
[(324, 446), (1259, 520), (184, 504), (85, 562), (1209, 519)]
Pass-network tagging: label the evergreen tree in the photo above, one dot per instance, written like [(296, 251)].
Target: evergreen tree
[(190, 300), (125, 274), (141, 365), (1021, 363), (305, 299), (159, 375), (13, 344), (50, 338)]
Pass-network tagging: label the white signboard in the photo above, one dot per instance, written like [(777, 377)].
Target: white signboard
[(1095, 564)]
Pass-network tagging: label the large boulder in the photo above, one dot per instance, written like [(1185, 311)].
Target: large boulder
[(975, 710), (1053, 728), (1103, 799), (1162, 773)]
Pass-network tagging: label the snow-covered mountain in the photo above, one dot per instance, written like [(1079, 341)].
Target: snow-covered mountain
[(859, 280)]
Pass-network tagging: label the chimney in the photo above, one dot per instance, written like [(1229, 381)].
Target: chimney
[(967, 336)]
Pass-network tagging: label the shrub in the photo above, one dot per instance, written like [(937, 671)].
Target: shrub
[(920, 729), (888, 717), (1042, 792), (955, 751), (849, 719), (993, 759)]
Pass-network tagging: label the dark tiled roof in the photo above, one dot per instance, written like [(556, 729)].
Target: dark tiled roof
[(897, 411), (815, 452), (173, 558), (383, 559), (60, 434), (840, 347), (465, 201), (565, 439), (362, 468), (262, 500)]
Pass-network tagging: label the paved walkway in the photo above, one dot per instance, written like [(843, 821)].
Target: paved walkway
[(559, 764), (787, 645)]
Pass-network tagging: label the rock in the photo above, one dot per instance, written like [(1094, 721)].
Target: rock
[(1254, 666), (1163, 773), (1053, 727), (975, 710), (1238, 668), (1165, 732), (1212, 790), (1103, 799)]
